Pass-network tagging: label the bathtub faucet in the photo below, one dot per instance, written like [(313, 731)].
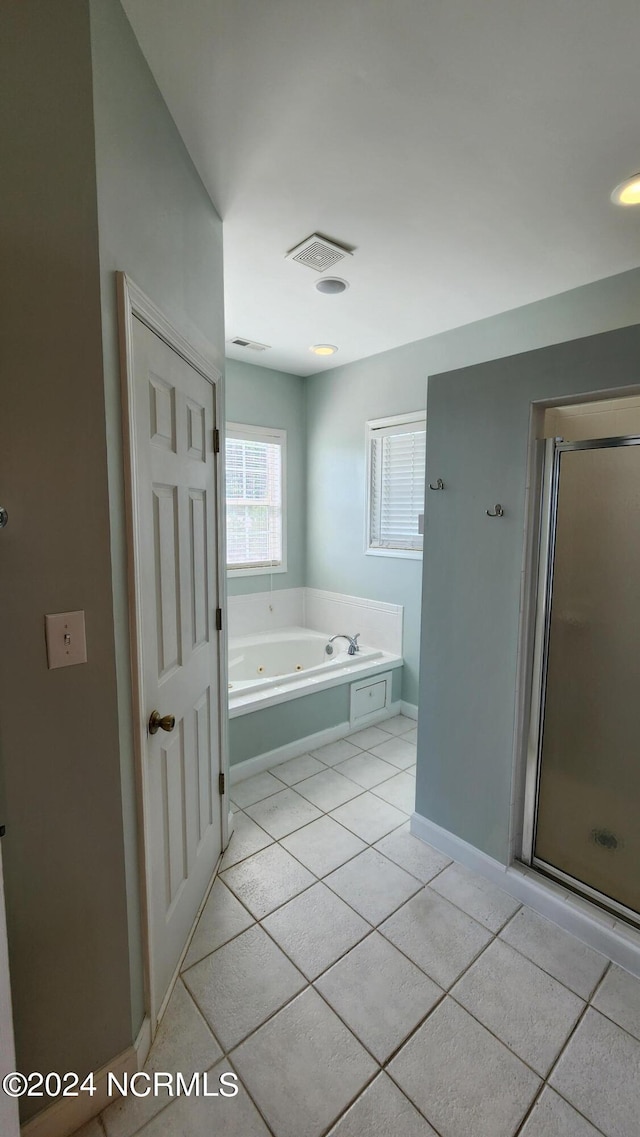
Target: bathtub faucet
[(353, 643)]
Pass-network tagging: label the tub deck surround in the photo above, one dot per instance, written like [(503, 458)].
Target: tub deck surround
[(404, 994), (379, 623), (291, 648)]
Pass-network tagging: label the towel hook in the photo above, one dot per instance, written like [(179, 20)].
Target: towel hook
[(438, 486), (498, 511)]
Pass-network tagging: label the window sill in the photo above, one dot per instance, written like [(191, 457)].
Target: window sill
[(260, 571), (400, 554)]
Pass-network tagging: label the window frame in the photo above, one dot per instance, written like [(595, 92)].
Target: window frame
[(252, 433), (373, 425)]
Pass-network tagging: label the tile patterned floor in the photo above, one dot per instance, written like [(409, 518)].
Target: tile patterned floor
[(362, 985)]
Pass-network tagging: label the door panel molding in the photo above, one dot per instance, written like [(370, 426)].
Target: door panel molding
[(134, 304)]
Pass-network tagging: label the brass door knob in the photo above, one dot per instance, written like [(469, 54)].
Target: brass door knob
[(160, 722)]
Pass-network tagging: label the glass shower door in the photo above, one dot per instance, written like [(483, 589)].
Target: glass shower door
[(588, 807)]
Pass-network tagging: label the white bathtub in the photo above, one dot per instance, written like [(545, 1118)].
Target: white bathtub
[(276, 666)]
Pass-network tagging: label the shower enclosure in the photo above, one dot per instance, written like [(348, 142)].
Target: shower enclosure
[(582, 809)]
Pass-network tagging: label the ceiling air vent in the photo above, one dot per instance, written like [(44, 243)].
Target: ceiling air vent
[(318, 253), (252, 345)]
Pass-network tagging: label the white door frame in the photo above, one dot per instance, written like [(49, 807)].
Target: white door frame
[(132, 302), (9, 1122)]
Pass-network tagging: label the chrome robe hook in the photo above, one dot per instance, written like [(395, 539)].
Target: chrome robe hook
[(498, 511), (438, 486)]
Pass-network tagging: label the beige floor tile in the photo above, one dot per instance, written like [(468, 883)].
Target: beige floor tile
[(552, 1116), (254, 789), (247, 838), (529, 1011), (303, 1067), (379, 993), (205, 1116), (618, 998), (373, 885), (283, 813), (399, 791), (370, 736), (366, 770), (223, 917), (478, 897), (410, 853), (297, 769), (328, 789), (462, 1078), (335, 752), (183, 1044), (315, 929), (241, 984), (598, 1074), (397, 752), (369, 817), (566, 958), (440, 938), (92, 1128), (399, 724), (382, 1111), (267, 880), (323, 845)]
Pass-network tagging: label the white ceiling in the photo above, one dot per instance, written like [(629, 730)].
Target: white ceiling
[(466, 148)]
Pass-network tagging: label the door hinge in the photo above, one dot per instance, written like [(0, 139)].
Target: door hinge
[(221, 784), (219, 619), (216, 441)]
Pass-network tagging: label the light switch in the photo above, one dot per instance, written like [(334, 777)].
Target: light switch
[(66, 641)]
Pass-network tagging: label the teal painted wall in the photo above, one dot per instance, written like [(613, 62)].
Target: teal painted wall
[(261, 397), (262, 731), (156, 223), (341, 400), (477, 441), (64, 864)]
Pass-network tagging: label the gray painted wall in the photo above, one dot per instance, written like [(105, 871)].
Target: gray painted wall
[(77, 204), (261, 397), (477, 441), (63, 852), (341, 400), (156, 223)]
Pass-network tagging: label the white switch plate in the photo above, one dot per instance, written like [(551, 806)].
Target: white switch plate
[(66, 641)]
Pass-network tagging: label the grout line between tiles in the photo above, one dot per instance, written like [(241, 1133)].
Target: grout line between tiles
[(198, 1008), (585, 998), (311, 984)]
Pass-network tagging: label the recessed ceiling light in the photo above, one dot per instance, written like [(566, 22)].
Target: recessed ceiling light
[(628, 192), (323, 349), (331, 285)]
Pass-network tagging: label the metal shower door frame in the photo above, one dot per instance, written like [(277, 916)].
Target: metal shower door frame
[(554, 448)]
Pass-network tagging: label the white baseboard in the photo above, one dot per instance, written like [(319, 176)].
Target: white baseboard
[(68, 1114), (242, 770), (142, 1044), (409, 710), (586, 921)]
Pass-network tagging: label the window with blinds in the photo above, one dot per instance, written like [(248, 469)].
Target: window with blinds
[(396, 458), (255, 461)]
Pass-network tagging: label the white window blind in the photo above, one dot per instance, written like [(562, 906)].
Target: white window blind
[(254, 474), (397, 453)]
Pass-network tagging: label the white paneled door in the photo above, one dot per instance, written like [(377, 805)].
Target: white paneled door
[(175, 537)]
